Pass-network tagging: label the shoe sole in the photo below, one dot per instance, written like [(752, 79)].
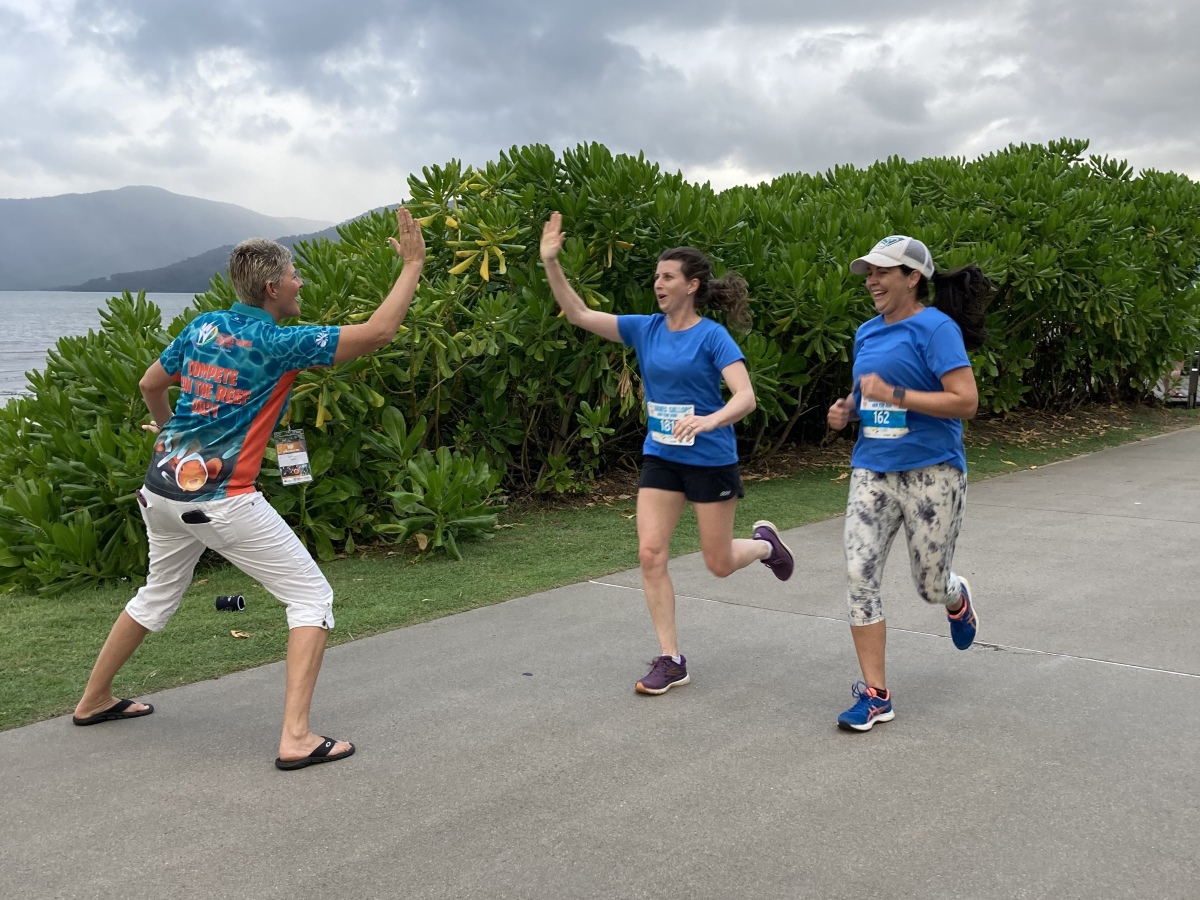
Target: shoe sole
[(967, 585), (771, 525), (645, 690), (882, 717), (304, 762), (109, 716)]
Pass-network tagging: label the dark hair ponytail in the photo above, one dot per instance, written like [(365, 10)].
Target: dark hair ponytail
[(963, 295), (730, 294)]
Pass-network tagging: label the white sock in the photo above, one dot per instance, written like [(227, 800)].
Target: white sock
[(677, 659)]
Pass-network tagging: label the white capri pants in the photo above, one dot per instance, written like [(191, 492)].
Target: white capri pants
[(248, 532)]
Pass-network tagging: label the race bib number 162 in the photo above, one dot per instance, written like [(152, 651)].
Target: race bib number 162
[(883, 420)]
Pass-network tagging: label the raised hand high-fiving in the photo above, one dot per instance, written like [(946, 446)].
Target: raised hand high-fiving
[(411, 246), (552, 237)]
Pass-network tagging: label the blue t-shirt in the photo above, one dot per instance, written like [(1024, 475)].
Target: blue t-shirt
[(235, 370), (914, 354), (681, 372)]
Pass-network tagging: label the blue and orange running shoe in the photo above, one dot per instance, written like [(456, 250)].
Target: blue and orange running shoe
[(964, 623), (869, 709)]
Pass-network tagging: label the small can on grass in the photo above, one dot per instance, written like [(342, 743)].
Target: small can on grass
[(231, 602)]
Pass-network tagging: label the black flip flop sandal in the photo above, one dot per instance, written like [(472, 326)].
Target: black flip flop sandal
[(320, 755), (114, 712)]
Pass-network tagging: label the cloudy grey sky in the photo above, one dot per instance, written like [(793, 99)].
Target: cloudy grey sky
[(321, 109)]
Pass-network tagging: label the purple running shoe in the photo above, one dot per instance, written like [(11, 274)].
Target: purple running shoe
[(780, 561), (664, 674)]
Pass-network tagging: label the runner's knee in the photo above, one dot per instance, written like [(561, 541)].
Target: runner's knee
[(863, 575), (936, 585), (653, 556), (941, 593), (153, 605), (310, 603), (863, 588), (720, 565)]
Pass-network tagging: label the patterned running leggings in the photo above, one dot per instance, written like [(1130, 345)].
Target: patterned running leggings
[(929, 503)]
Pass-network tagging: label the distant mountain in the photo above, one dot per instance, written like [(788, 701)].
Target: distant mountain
[(188, 276), (51, 241)]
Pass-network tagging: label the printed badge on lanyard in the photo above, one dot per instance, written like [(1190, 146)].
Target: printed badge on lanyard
[(292, 451), (882, 420)]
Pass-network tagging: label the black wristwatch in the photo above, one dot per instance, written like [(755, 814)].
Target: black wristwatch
[(898, 394)]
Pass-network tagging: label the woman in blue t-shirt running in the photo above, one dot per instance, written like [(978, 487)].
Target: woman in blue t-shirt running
[(690, 452), (913, 386)]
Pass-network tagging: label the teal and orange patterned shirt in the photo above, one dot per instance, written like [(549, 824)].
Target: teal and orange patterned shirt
[(235, 370)]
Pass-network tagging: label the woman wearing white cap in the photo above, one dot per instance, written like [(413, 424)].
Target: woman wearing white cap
[(913, 386)]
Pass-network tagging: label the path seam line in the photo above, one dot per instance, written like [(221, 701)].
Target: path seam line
[(982, 644)]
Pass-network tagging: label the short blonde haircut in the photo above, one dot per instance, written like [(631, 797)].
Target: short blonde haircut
[(252, 264)]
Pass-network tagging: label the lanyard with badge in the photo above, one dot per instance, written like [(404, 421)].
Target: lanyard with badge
[(292, 451)]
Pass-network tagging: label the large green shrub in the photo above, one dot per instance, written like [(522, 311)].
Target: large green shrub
[(72, 454), (488, 387)]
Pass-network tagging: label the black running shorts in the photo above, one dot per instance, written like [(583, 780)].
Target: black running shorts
[(700, 484)]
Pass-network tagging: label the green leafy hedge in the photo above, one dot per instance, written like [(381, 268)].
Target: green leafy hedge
[(488, 389)]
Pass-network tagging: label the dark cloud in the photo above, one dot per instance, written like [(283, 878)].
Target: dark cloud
[(890, 94), (1130, 63), (371, 89)]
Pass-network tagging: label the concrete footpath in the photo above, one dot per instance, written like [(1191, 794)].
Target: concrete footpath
[(504, 754)]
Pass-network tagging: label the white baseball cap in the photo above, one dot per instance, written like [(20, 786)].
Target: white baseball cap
[(897, 250)]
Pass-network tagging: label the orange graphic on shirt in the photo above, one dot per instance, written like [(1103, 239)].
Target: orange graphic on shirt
[(190, 469)]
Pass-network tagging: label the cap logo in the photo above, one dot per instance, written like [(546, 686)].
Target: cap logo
[(888, 241)]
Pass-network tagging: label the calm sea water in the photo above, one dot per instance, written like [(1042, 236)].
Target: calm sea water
[(34, 320)]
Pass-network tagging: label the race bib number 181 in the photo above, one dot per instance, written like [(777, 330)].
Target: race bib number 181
[(661, 419), (883, 420)]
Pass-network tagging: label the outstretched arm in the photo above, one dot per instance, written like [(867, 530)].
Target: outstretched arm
[(378, 331), (576, 311)]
